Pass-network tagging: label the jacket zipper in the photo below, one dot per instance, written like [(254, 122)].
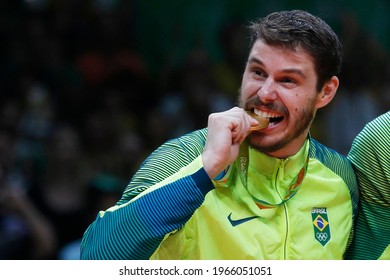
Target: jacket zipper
[(280, 175)]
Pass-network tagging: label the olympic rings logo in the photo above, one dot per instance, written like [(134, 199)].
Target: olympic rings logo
[(322, 236)]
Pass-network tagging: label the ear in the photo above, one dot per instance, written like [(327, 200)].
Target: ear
[(328, 92)]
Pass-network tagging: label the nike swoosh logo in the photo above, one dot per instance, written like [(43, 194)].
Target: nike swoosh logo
[(235, 223)]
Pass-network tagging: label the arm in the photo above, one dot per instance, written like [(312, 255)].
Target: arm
[(160, 198), (167, 190), (370, 154)]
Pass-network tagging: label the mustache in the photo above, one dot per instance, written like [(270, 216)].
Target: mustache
[(254, 101)]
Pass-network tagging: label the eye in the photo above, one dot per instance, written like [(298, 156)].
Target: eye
[(259, 73), (288, 80)]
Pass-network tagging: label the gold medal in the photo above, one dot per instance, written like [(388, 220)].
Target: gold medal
[(263, 122)]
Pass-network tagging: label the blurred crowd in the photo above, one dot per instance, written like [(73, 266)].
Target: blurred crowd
[(80, 110)]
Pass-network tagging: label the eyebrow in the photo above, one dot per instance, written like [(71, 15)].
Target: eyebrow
[(288, 70)]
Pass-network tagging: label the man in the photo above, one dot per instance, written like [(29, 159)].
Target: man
[(228, 192), (370, 155)]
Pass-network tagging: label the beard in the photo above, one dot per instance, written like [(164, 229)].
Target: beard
[(304, 118), (300, 127)]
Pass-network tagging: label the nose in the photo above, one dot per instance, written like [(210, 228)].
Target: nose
[(267, 91)]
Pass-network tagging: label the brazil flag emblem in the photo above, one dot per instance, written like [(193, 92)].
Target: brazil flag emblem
[(321, 224)]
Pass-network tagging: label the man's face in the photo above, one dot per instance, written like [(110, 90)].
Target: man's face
[(281, 85)]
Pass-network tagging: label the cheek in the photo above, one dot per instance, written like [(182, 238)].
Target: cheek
[(301, 103), (245, 91), (249, 88), (305, 108)]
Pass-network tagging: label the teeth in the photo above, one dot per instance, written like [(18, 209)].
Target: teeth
[(265, 114)]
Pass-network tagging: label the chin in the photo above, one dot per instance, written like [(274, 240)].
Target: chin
[(266, 144)]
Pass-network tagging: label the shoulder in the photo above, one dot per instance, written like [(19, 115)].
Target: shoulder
[(329, 157), (372, 143), (339, 164), (333, 160), (369, 154)]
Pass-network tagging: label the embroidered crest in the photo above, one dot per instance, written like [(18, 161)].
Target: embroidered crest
[(321, 224)]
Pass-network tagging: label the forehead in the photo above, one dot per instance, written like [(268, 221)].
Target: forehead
[(279, 57)]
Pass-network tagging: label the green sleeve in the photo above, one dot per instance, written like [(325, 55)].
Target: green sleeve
[(370, 155), (160, 198)]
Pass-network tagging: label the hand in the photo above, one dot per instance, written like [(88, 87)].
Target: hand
[(226, 131)]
